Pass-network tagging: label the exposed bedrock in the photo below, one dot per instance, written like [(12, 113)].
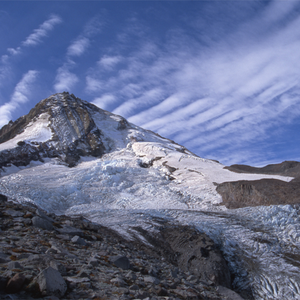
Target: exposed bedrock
[(259, 192), (192, 251)]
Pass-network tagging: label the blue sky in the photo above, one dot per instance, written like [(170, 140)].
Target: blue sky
[(219, 77)]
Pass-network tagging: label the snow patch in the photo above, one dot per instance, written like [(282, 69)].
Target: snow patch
[(36, 131)]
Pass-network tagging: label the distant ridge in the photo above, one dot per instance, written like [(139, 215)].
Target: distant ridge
[(286, 168)]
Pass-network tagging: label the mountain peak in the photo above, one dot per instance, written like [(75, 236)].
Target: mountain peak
[(63, 126), (67, 127)]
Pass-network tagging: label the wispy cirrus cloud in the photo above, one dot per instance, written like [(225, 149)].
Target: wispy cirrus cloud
[(65, 79), (36, 37), (109, 62), (227, 91), (20, 96), (78, 47)]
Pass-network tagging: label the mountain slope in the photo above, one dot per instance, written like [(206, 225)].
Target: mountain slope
[(70, 157), (67, 127)]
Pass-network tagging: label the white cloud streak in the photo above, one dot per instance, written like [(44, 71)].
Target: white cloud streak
[(36, 37), (78, 47), (230, 92), (65, 80), (109, 62), (20, 96)]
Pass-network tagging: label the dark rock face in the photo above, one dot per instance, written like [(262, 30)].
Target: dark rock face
[(244, 193), (74, 133), (191, 251), (198, 254), (259, 192)]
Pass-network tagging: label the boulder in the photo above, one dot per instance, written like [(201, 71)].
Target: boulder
[(42, 223), (14, 265), (120, 261), (78, 240), (51, 283)]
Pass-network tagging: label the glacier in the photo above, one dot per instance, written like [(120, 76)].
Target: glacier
[(261, 244)]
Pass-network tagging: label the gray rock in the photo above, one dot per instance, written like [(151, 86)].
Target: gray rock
[(4, 258), (14, 265), (151, 279), (14, 213), (23, 255), (93, 262), (77, 279), (42, 223), (120, 261), (43, 215), (78, 240), (228, 294), (118, 282), (51, 283), (59, 267), (134, 287), (70, 230)]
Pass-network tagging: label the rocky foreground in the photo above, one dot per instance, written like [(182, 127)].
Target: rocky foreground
[(44, 256)]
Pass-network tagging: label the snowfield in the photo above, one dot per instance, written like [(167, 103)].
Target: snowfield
[(36, 131)]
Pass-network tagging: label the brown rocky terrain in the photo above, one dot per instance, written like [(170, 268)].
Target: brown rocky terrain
[(265, 191), (44, 256)]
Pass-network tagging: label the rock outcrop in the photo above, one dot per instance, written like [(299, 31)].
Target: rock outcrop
[(245, 193)]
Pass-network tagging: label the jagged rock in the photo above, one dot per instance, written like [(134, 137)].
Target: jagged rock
[(118, 282), (59, 267), (151, 279), (78, 240), (3, 283), (42, 223), (51, 282), (14, 265), (93, 262), (120, 261)]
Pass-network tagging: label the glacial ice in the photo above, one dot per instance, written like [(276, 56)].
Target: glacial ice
[(261, 244)]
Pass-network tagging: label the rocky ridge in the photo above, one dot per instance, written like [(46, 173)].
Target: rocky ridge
[(245, 193), (44, 256)]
